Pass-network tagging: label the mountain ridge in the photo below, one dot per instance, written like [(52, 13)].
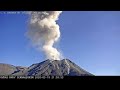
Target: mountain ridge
[(48, 67)]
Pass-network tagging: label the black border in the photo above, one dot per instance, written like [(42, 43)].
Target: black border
[(64, 5), (67, 78), (80, 81)]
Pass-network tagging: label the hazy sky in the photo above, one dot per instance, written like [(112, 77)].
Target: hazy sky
[(91, 39)]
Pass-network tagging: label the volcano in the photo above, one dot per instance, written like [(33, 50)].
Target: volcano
[(48, 67)]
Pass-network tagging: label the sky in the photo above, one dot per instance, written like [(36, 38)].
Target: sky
[(91, 39)]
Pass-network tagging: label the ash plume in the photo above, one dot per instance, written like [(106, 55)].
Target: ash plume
[(44, 32)]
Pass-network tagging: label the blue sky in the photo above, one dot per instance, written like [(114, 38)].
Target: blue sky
[(91, 39)]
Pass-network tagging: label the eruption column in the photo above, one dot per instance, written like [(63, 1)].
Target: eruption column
[(44, 32)]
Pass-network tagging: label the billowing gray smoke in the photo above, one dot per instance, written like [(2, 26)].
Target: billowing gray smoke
[(44, 32)]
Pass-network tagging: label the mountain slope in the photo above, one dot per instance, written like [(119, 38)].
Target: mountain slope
[(6, 69), (63, 67)]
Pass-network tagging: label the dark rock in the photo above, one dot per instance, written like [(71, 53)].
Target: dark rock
[(46, 68)]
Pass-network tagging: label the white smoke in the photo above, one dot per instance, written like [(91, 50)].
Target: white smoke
[(44, 32)]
